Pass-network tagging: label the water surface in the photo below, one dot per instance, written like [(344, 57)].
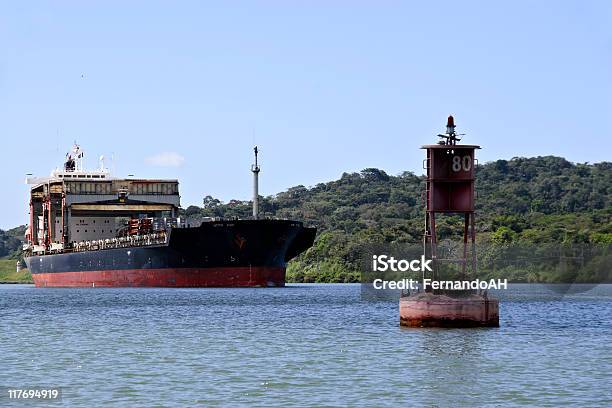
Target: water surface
[(300, 345)]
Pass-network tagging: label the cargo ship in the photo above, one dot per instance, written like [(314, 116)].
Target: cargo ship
[(90, 229)]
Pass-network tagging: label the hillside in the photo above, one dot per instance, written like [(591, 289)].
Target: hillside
[(10, 242), (527, 201), (525, 195)]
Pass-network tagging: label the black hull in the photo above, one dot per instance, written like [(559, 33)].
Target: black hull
[(232, 246)]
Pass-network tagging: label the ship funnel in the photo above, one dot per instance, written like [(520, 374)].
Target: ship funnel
[(255, 169)]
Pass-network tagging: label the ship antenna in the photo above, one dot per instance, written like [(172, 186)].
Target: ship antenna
[(255, 169)]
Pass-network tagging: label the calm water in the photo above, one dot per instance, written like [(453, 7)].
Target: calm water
[(300, 345)]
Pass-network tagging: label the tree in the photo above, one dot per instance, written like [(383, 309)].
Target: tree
[(211, 202)]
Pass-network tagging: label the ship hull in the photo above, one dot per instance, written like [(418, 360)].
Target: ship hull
[(241, 253), (167, 277)]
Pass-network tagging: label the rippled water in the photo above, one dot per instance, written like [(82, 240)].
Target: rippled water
[(300, 345)]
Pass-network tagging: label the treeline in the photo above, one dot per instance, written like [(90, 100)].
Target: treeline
[(11, 241), (520, 202), (523, 201)]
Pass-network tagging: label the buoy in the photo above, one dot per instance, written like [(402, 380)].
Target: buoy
[(450, 190), (430, 310)]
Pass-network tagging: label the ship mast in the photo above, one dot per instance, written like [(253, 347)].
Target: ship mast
[(255, 169)]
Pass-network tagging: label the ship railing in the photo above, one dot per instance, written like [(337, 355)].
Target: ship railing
[(155, 238), (216, 219)]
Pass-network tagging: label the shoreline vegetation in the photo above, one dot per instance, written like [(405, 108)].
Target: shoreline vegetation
[(543, 205), (9, 274)]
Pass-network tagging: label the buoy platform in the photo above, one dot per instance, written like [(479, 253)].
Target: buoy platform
[(430, 310)]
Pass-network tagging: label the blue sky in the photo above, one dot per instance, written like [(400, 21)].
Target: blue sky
[(183, 89)]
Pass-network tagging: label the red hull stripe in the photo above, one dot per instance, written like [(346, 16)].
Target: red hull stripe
[(170, 277)]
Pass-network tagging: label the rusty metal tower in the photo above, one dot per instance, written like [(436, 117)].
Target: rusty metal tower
[(450, 190)]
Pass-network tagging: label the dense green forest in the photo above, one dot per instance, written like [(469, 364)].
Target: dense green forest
[(10, 242), (521, 202)]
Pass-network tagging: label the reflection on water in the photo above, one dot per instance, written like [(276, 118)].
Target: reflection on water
[(317, 344)]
